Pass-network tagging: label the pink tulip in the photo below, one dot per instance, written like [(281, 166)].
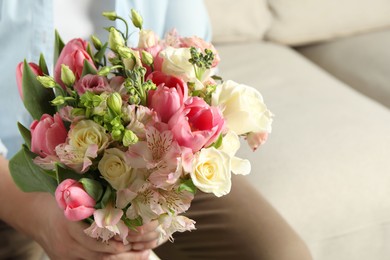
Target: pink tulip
[(73, 55), (19, 74), (196, 124), (46, 134), (169, 96), (93, 83), (74, 200)]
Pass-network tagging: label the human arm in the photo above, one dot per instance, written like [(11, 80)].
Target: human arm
[(38, 216)]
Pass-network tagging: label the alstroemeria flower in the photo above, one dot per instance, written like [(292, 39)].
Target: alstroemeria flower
[(107, 224)]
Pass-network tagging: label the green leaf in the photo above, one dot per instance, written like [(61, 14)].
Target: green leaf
[(43, 65), (36, 97), (28, 176), (108, 194), (188, 185), (92, 187), (26, 134), (63, 174), (133, 223), (100, 54), (58, 46), (88, 69)]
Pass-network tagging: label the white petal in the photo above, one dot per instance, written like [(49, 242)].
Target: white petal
[(241, 166)]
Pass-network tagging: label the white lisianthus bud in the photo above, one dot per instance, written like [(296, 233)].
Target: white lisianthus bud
[(115, 39), (110, 15), (136, 19), (46, 81), (115, 169), (67, 75), (114, 102), (96, 42), (147, 58), (212, 172)]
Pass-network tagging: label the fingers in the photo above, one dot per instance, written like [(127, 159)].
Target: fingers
[(149, 227), (139, 255), (77, 232)]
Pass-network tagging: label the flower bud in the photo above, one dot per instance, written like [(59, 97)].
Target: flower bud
[(136, 18), (115, 39), (110, 15), (59, 100), (96, 42), (46, 81), (67, 75), (129, 138), (116, 134), (104, 71), (125, 52), (147, 58), (114, 102)]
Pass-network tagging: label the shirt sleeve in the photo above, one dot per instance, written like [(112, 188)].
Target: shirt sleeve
[(3, 149)]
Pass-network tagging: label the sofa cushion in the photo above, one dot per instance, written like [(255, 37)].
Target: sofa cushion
[(326, 164), (235, 21), (362, 61), (300, 21)]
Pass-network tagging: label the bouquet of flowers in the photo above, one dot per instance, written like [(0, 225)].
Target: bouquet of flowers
[(126, 135)]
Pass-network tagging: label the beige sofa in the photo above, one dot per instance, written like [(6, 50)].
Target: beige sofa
[(323, 68)]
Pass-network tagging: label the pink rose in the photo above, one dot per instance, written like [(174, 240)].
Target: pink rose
[(196, 124), (93, 83), (73, 55), (19, 74), (74, 200), (201, 44), (169, 96), (46, 134)]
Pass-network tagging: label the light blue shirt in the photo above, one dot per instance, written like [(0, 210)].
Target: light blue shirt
[(26, 30)]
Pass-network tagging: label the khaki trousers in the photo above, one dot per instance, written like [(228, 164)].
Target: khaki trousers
[(241, 225)]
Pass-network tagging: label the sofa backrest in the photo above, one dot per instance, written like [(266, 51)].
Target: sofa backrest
[(238, 20), (295, 22)]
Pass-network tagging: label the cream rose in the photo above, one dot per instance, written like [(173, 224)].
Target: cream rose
[(176, 62), (243, 108), (211, 172), (85, 133), (230, 145), (147, 39), (115, 169)]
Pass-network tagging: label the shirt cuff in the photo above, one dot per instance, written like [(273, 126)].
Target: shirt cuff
[(3, 149)]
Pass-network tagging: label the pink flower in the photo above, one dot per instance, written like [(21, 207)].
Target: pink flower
[(74, 200), (256, 139), (46, 134), (19, 74), (169, 96), (73, 55), (107, 224), (93, 83), (196, 124), (201, 44)]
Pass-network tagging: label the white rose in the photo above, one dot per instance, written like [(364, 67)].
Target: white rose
[(87, 132), (230, 145), (242, 107), (211, 172), (176, 62), (147, 39), (115, 169)]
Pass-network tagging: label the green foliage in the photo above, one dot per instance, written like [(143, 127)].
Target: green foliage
[(58, 46), (36, 97), (188, 185), (92, 187), (43, 65), (28, 176), (26, 134)]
